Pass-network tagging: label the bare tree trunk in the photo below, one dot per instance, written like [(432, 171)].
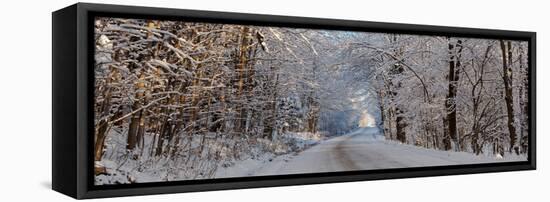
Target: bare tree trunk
[(383, 116), (400, 125), (507, 78), (101, 134), (396, 69), (136, 118), (389, 110), (242, 64), (450, 103), (270, 121), (524, 102), (103, 126)]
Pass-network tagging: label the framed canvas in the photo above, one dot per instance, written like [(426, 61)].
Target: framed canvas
[(156, 100)]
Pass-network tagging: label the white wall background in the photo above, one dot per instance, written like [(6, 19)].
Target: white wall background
[(25, 99)]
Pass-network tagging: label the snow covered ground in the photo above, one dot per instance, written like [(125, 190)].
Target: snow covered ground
[(293, 153), (363, 149), (121, 168)]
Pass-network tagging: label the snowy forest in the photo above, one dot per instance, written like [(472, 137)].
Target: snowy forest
[(178, 100)]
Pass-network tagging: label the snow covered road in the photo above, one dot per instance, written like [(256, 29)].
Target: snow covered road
[(363, 149)]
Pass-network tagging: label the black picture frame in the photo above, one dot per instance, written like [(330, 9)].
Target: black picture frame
[(72, 83)]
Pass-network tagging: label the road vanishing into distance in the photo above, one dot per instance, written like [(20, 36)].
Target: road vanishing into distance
[(362, 149)]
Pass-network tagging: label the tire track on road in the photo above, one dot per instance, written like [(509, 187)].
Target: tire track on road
[(340, 154)]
